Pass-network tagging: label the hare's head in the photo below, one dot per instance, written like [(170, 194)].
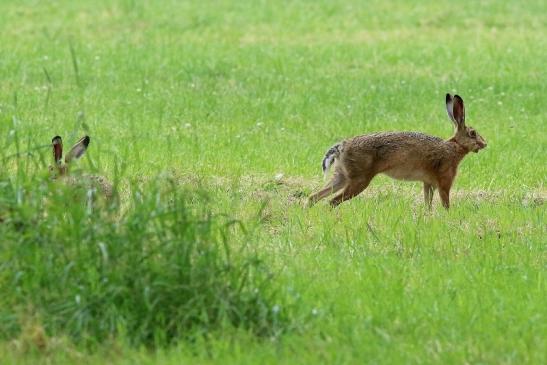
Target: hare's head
[(59, 168), (465, 136)]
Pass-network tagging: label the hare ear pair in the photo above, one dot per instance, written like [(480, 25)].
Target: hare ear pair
[(75, 152), (456, 110)]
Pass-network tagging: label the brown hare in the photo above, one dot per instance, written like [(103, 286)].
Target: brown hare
[(60, 170), (403, 156)]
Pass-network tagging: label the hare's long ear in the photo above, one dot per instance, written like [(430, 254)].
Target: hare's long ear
[(78, 149), (57, 144), (455, 109), (459, 111)]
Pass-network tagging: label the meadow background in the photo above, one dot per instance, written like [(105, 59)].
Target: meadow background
[(220, 112)]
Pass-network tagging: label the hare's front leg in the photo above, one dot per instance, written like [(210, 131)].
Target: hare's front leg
[(428, 194), (445, 197), (444, 185)]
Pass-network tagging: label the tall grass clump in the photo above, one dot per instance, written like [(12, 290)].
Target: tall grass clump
[(162, 269)]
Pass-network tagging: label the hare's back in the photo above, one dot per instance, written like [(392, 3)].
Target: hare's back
[(402, 155), (388, 143)]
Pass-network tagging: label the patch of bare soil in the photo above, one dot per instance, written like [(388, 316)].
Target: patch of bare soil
[(294, 190)]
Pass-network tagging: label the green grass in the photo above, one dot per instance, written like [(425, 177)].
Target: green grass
[(223, 96), (162, 271)]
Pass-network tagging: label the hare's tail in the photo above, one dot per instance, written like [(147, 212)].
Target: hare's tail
[(332, 154)]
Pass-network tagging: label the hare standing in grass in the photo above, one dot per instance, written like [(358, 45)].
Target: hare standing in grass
[(61, 170), (403, 156)]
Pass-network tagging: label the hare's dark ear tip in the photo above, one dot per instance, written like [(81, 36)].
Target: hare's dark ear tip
[(86, 140), (458, 98), (448, 97), (56, 139)]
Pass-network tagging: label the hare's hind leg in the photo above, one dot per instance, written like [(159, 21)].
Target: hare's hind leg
[(337, 182), (352, 189)]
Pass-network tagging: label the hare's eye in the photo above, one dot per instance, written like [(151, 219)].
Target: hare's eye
[(473, 134)]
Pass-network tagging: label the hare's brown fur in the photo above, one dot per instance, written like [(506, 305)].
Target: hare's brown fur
[(403, 156), (60, 171), (96, 182)]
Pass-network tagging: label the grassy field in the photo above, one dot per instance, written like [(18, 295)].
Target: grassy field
[(238, 101)]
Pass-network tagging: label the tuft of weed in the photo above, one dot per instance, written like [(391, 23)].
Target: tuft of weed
[(162, 269)]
